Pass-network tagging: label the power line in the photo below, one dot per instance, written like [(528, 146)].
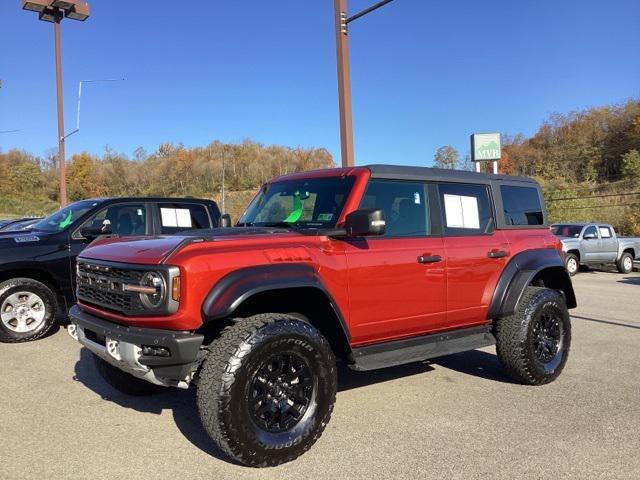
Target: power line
[(626, 194), (604, 206)]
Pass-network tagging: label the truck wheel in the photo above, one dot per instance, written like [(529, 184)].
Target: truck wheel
[(124, 382), (27, 310), (572, 263), (266, 389), (625, 263), (533, 343)]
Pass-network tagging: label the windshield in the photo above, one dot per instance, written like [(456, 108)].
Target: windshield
[(567, 230), (310, 203), (62, 219)]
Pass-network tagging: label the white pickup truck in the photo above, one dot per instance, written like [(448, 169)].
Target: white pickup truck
[(596, 243)]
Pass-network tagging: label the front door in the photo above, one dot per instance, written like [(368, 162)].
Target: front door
[(397, 282), (591, 245)]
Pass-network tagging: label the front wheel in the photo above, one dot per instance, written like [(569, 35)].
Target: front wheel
[(533, 343), (27, 310), (572, 264), (625, 263), (266, 389)]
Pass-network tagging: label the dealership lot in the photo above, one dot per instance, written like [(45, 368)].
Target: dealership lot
[(454, 417)]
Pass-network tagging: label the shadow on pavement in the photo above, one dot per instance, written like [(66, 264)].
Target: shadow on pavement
[(606, 322), (182, 403), (348, 378), (630, 280), (476, 363)]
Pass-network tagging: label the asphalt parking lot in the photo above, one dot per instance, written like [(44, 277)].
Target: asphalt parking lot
[(454, 417)]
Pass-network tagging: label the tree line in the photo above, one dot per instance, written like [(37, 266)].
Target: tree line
[(29, 184), (588, 162)]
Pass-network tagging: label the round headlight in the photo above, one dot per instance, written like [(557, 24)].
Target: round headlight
[(155, 281)]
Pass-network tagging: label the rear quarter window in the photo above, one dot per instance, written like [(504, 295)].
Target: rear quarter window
[(521, 205)]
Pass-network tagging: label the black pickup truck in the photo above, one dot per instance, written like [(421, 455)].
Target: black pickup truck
[(37, 267)]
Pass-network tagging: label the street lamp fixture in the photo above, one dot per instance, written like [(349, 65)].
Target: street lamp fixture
[(54, 11)]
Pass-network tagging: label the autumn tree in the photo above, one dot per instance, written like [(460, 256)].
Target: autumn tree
[(446, 157)]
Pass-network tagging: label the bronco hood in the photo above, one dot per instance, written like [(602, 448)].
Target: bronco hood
[(143, 250), (155, 250)]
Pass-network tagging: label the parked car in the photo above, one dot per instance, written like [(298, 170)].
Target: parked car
[(596, 244), (19, 224), (37, 267), (376, 266)]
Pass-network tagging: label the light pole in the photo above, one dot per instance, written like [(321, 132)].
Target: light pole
[(342, 21), (80, 83), (54, 11)]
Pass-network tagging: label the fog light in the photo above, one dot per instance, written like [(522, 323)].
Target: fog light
[(149, 351)]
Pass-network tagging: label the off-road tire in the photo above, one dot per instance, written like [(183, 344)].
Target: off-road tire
[(516, 338), (124, 382), (572, 257), (621, 261), (16, 285), (231, 368)]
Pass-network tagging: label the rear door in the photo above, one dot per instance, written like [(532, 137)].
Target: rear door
[(609, 249), (176, 217), (476, 253), (397, 284)]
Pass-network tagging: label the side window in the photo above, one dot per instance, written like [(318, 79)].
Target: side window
[(127, 219), (404, 205), (467, 210), (590, 230), (177, 217), (521, 205), (605, 232)]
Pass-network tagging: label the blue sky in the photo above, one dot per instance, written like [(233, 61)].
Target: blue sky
[(424, 73)]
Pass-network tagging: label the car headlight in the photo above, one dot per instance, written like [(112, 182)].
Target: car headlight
[(155, 290)]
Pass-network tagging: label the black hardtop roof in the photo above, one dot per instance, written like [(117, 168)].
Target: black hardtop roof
[(402, 172), (149, 199)]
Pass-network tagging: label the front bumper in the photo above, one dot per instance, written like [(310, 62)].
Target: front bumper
[(122, 347)]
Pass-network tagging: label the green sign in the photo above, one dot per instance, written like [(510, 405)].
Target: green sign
[(485, 147)]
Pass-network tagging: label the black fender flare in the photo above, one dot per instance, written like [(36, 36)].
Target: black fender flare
[(520, 272), (234, 288)]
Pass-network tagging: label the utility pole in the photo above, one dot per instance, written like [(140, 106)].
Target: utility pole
[(344, 83), (61, 153), (53, 11), (342, 21)]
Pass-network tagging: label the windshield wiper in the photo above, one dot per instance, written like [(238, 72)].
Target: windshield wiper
[(245, 224), (278, 225)]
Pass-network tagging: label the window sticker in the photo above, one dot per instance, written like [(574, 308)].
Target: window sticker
[(461, 211), (325, 217), (416, 198), (296, 213), (176, 217), (605, 232)]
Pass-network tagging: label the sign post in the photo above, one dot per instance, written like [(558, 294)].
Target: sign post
[(485, 147)]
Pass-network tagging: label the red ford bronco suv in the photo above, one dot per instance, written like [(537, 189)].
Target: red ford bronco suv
[(374, 266)]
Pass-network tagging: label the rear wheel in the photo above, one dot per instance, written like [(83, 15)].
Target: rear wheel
[(533, 343), (124, 382), (266, 389), (625, 263), (572, 263), (27, 310)]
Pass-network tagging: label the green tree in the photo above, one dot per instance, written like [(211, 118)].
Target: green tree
[(631, 165), (446, 157)]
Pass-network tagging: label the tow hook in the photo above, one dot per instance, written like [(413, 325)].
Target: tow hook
[(72, 330)]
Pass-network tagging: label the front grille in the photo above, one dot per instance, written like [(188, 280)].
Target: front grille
[(102, 285)]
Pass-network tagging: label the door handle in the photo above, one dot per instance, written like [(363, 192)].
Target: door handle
[(429, 258), (497, 254)]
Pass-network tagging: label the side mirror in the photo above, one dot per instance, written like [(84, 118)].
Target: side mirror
[(366, 222), (94, 231), (225, 220), (589, 236)]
